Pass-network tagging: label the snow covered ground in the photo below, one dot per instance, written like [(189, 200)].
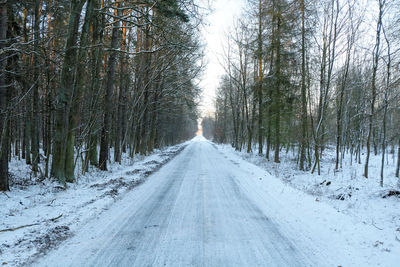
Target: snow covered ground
[(342, 209), (49, 213), (209, 206)]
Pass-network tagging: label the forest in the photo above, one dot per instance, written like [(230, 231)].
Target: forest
[(306, 76), (199, 132), (83, 82)]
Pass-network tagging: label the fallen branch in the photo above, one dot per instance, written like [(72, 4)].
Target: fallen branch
[(60, 187), (392, 193), (56, 218), (16, 228), (6, 194), (28, 225), (373, 224)]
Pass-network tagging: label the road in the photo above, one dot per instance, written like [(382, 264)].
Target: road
[(195, 211)]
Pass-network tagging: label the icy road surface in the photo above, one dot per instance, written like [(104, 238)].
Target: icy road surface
[(196, 211)]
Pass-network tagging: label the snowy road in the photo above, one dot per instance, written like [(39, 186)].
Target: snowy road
[(194, 212)]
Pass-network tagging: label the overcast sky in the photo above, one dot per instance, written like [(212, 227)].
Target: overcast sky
[(222, 17)]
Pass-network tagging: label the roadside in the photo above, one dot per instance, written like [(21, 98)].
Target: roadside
[(337, 211), (38, 216)]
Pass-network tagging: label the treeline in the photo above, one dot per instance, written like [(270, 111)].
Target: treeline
[(306, 74), (88, 80), (208, 127)]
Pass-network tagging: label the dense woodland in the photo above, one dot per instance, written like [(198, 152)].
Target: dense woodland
[(88, 80), (305, 75)]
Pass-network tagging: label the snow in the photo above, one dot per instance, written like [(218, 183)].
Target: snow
[(348, 214), (192, 212), (42, 203), (209, 206)]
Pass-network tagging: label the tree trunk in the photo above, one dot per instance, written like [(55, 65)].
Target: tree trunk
[(65, 93), (340, 106), (3, 102), (26, 147), (47, 96), (303, 92), (277, 97), (121, 100), (154, 117), (35, 117), (95, 87), (373, 86), (386, 104), (260, 83), (108, 105), (76, 100), (398, 160), (145, 71)]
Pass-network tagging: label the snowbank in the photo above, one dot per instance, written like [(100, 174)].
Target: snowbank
[(37, 216), (339, 211)]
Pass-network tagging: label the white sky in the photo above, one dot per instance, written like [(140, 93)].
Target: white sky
[(219, 21)]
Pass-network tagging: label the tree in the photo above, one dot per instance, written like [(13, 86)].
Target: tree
[(208, 126), (303, 89), (375, 55), (385, 102), (4, 185), (260, 79), (112, 60), (35, 106), (343, 83), (330, 31), (277, 18), (77, 94), (61, 93), (65, 93), (315, 63)]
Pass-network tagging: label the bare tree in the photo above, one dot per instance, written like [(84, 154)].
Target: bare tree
[(375, 55), (385, 102)]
